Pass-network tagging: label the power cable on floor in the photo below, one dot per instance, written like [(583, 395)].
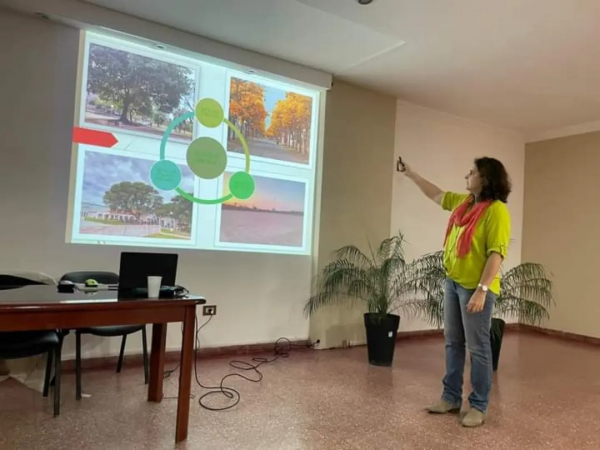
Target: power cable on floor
[(282, 349)]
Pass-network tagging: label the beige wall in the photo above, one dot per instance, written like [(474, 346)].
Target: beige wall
[(360, 198), (561, 226), (356, 191), (260, 297), (442, 148)]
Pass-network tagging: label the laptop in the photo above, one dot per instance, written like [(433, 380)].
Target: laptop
[(135, 268)]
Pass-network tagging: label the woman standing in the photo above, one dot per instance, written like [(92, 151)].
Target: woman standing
[(475, 245)]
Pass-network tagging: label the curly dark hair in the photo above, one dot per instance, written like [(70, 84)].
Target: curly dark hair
[(496, 183)]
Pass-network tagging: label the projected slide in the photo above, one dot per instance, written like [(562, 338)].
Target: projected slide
[(175, 152), (273, 216)]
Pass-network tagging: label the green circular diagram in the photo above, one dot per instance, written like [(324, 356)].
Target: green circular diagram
[(241, 185), (206, 157), (165, 175), (209, 113)]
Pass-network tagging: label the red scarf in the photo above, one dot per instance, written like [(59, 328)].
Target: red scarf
[(462, 216)]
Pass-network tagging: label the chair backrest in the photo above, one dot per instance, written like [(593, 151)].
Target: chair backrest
[(100, 277), (15, 281)]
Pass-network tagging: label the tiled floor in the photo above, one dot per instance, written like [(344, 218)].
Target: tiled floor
[(546, 396)]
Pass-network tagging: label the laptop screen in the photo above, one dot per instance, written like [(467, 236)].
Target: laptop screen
[(135, 268)]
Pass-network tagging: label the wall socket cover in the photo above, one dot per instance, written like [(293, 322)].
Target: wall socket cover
[(209, 310)]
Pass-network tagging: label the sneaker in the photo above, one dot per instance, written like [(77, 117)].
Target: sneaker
[(474, 418), (443, 407)]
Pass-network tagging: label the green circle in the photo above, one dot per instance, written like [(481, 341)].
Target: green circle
[(241, 185), (209, 113), (207, 158), (165, 175), (203, 152)]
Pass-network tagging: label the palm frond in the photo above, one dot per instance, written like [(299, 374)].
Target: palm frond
[(426, 279), (340, 280), (526, 292), (354, 255), (523, 272), (527, 310), (427, 274), (386, 283), (380, 280), (342, 276), (428, 308), (391, 248), (417, 290)]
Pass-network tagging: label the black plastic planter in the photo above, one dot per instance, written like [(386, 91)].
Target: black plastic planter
[(496, 335), (381, 337)]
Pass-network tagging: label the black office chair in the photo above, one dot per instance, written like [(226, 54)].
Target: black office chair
[(23, 344), (112, 331)]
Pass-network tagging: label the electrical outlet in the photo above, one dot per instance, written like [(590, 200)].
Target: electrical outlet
[(209, 310)]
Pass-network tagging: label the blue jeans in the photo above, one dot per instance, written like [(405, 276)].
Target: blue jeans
[(460, 328)]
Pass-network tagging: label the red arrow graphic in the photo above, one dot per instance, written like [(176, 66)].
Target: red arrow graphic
[(94, 137)]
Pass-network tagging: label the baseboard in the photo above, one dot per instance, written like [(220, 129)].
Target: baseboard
[(563, 335), (419, 334), (172, 357), (426, 334)]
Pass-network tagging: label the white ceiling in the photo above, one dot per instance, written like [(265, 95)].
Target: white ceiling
[(529, 65)]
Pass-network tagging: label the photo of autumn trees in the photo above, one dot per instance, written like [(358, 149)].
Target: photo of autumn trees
[(275, 123)]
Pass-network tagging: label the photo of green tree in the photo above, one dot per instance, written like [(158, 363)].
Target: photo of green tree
[(131, 92)]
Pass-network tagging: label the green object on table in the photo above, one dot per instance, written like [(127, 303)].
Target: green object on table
[(91, 283)]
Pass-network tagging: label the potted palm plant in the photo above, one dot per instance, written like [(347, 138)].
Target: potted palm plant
[(525, 292), (383, 282)]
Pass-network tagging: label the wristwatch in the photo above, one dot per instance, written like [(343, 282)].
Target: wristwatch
[(483, 287)]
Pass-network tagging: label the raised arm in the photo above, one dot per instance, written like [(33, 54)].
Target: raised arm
[(429, 189)]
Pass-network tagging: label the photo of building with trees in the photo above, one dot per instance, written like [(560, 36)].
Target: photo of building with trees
[(118, 199)]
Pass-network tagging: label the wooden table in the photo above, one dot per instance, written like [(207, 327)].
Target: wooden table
[(43, 307)]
